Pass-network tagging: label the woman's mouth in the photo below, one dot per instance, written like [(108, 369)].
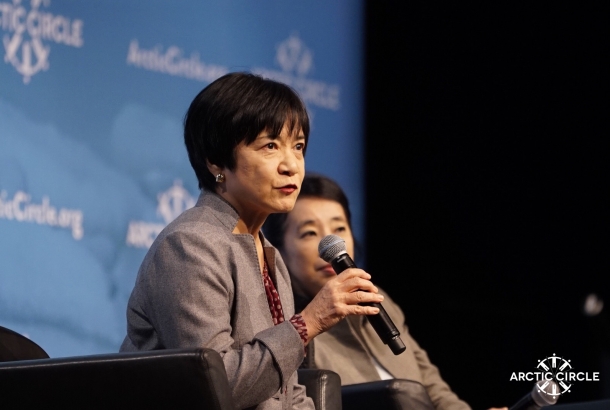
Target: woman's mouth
[(328, 270), (288, 189)]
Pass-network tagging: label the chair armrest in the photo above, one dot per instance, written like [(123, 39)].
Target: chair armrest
[(396, 394), (14, 346), (602, 404), (178, 378), (323, 386)]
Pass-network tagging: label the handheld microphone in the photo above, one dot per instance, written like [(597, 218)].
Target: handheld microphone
[(332, 249), (536, 399)]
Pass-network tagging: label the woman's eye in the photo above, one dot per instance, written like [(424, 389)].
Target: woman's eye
[(271, 145), (341, 229), (300, 147), (308, 233)]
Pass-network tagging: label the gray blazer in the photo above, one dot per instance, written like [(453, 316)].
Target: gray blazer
[(350, 348), (200, 285)]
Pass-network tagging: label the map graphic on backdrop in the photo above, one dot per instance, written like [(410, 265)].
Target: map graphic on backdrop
[(92, 161)]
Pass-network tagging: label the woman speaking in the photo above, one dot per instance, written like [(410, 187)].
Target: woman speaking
[(211, 279)]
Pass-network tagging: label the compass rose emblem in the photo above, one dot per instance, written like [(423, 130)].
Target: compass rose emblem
[(34, 54), (294, 56), (552, 366), (28, 29), (174, 201)]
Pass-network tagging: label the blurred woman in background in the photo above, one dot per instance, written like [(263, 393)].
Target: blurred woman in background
[(352, 348)]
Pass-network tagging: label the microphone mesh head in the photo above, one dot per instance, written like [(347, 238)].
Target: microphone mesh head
[(544, 399), (330, 247)]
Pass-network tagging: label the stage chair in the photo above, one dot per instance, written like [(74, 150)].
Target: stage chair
[(180, 378), (603, 404), (323, 386), (15, 346), (393, 394), (183, 378)]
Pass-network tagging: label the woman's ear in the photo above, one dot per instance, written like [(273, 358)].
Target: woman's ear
[(214, 169), (219, 176)]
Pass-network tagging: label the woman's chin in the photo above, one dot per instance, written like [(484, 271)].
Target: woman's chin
[(284, 206)]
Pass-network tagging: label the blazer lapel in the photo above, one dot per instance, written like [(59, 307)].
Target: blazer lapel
[(397, 366)]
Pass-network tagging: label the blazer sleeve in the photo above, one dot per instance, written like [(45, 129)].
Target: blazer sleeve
[(190, 292)]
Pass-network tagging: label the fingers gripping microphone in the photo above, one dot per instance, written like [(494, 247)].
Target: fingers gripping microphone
[(332, 249), (538, 398)]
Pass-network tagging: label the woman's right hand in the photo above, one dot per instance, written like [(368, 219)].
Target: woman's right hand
[(339, 297)]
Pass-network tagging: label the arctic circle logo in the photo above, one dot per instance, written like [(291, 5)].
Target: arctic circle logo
[(174, 201), (558, 370), (554, 368), (27, 30), (293, 55), (171, 203)]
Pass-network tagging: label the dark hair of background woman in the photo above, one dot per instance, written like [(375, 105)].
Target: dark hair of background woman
[(234, 108)]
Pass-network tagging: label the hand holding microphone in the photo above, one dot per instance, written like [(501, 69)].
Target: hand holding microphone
[(333, 250)]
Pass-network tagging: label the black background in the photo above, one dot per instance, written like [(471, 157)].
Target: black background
[(486, 185)]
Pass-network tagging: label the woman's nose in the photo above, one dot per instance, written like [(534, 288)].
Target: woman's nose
[(289, 164)]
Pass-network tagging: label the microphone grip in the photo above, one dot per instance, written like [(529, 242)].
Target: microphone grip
[(537, 399), (526, 403), (381, 322), (385, 328)]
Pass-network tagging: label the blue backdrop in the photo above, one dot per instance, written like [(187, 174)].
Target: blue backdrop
[(92, 161)]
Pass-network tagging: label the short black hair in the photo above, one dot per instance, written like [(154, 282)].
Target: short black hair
[(314, 186), (234, 108)]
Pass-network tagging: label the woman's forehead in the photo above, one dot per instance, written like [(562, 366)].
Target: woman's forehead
[(316, 209)]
